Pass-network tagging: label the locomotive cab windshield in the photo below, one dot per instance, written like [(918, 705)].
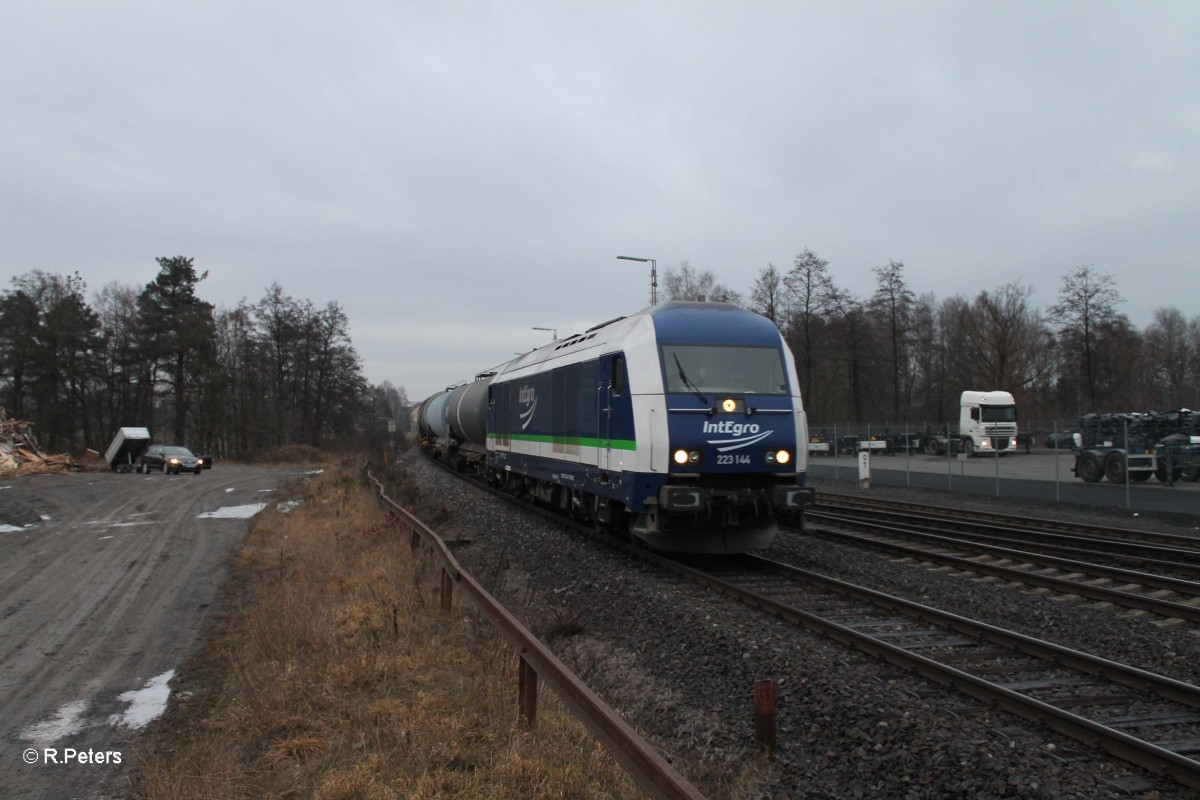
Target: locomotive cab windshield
[(709, 369)]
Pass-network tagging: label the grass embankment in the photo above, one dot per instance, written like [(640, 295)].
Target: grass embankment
[(334, 674)]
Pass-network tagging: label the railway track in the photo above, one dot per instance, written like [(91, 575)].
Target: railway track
[(1158, 575), (1163, 595), (1143, 718), (1147, 719), (1117, 540)]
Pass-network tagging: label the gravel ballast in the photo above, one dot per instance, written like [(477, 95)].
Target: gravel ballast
[(679, 663)]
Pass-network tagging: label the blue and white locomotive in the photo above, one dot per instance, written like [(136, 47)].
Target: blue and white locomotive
[(681, 425)]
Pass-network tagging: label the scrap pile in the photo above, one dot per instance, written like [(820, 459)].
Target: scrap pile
[(20, 454)]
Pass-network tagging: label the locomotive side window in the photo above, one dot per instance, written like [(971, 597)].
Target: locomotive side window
[(588, 399), (618, 375), (565, 421), (690, 368)]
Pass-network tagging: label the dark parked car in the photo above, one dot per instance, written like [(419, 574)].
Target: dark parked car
[(1061, 440), (170, 459)]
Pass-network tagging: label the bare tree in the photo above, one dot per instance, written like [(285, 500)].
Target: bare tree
[(688, 283), (1087, 305), (1170, 359), (810, 296), (767, 296), (122, 393), (1119, 356), (928, 356), (854, 326), (891, 304), (1006, 340)]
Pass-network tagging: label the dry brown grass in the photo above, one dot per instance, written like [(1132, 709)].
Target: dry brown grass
[(335, 674), (291, 454)]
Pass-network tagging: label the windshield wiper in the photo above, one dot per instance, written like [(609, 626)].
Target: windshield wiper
[(683, 377)]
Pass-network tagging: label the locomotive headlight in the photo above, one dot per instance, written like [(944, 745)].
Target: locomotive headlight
[(729, 405), (778, 456), (687, 457)]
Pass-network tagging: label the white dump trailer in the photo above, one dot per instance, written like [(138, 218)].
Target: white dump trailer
[(126, 447)]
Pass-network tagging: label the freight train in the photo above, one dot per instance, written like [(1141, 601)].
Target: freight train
[(680, 426)]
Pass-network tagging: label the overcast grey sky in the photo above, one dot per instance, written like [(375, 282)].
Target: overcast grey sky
[(457, 173)]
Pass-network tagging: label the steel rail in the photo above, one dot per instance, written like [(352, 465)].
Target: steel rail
[(1080, 540), (644, 764), (1130, 748), (1062, 556), (1166, 608), (986, 544), (1044, 544), (991, 520)]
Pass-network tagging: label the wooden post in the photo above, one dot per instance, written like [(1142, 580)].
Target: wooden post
[(527, 688), (447, 591), (764, 715)]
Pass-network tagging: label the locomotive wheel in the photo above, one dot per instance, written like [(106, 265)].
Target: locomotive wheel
[(1114, 468), (1088, 467)]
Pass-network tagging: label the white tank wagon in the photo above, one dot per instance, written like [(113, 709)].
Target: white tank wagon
[(432, 431), (466, 421)]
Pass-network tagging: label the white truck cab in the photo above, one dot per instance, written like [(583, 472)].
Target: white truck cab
[(987, 422)]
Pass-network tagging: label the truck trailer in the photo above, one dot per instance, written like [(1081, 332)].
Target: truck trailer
[(1135, 446)]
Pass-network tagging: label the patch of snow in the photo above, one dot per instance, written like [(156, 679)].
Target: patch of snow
[(102, 538), (230, 489), (234, 512), (10, 529), (145, 704), (67, 721)]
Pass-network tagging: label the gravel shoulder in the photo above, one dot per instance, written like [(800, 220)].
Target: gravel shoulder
[(106, 582), (680, 663)]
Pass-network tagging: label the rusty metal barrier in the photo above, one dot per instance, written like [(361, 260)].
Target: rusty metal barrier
[(648, 769)]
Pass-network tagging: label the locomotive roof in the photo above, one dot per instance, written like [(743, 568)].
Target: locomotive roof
[(711, 323), (676, 321)]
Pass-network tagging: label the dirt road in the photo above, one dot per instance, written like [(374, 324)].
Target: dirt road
[(106, 581)]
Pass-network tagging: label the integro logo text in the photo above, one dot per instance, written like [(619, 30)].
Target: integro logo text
[(732, 428)]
